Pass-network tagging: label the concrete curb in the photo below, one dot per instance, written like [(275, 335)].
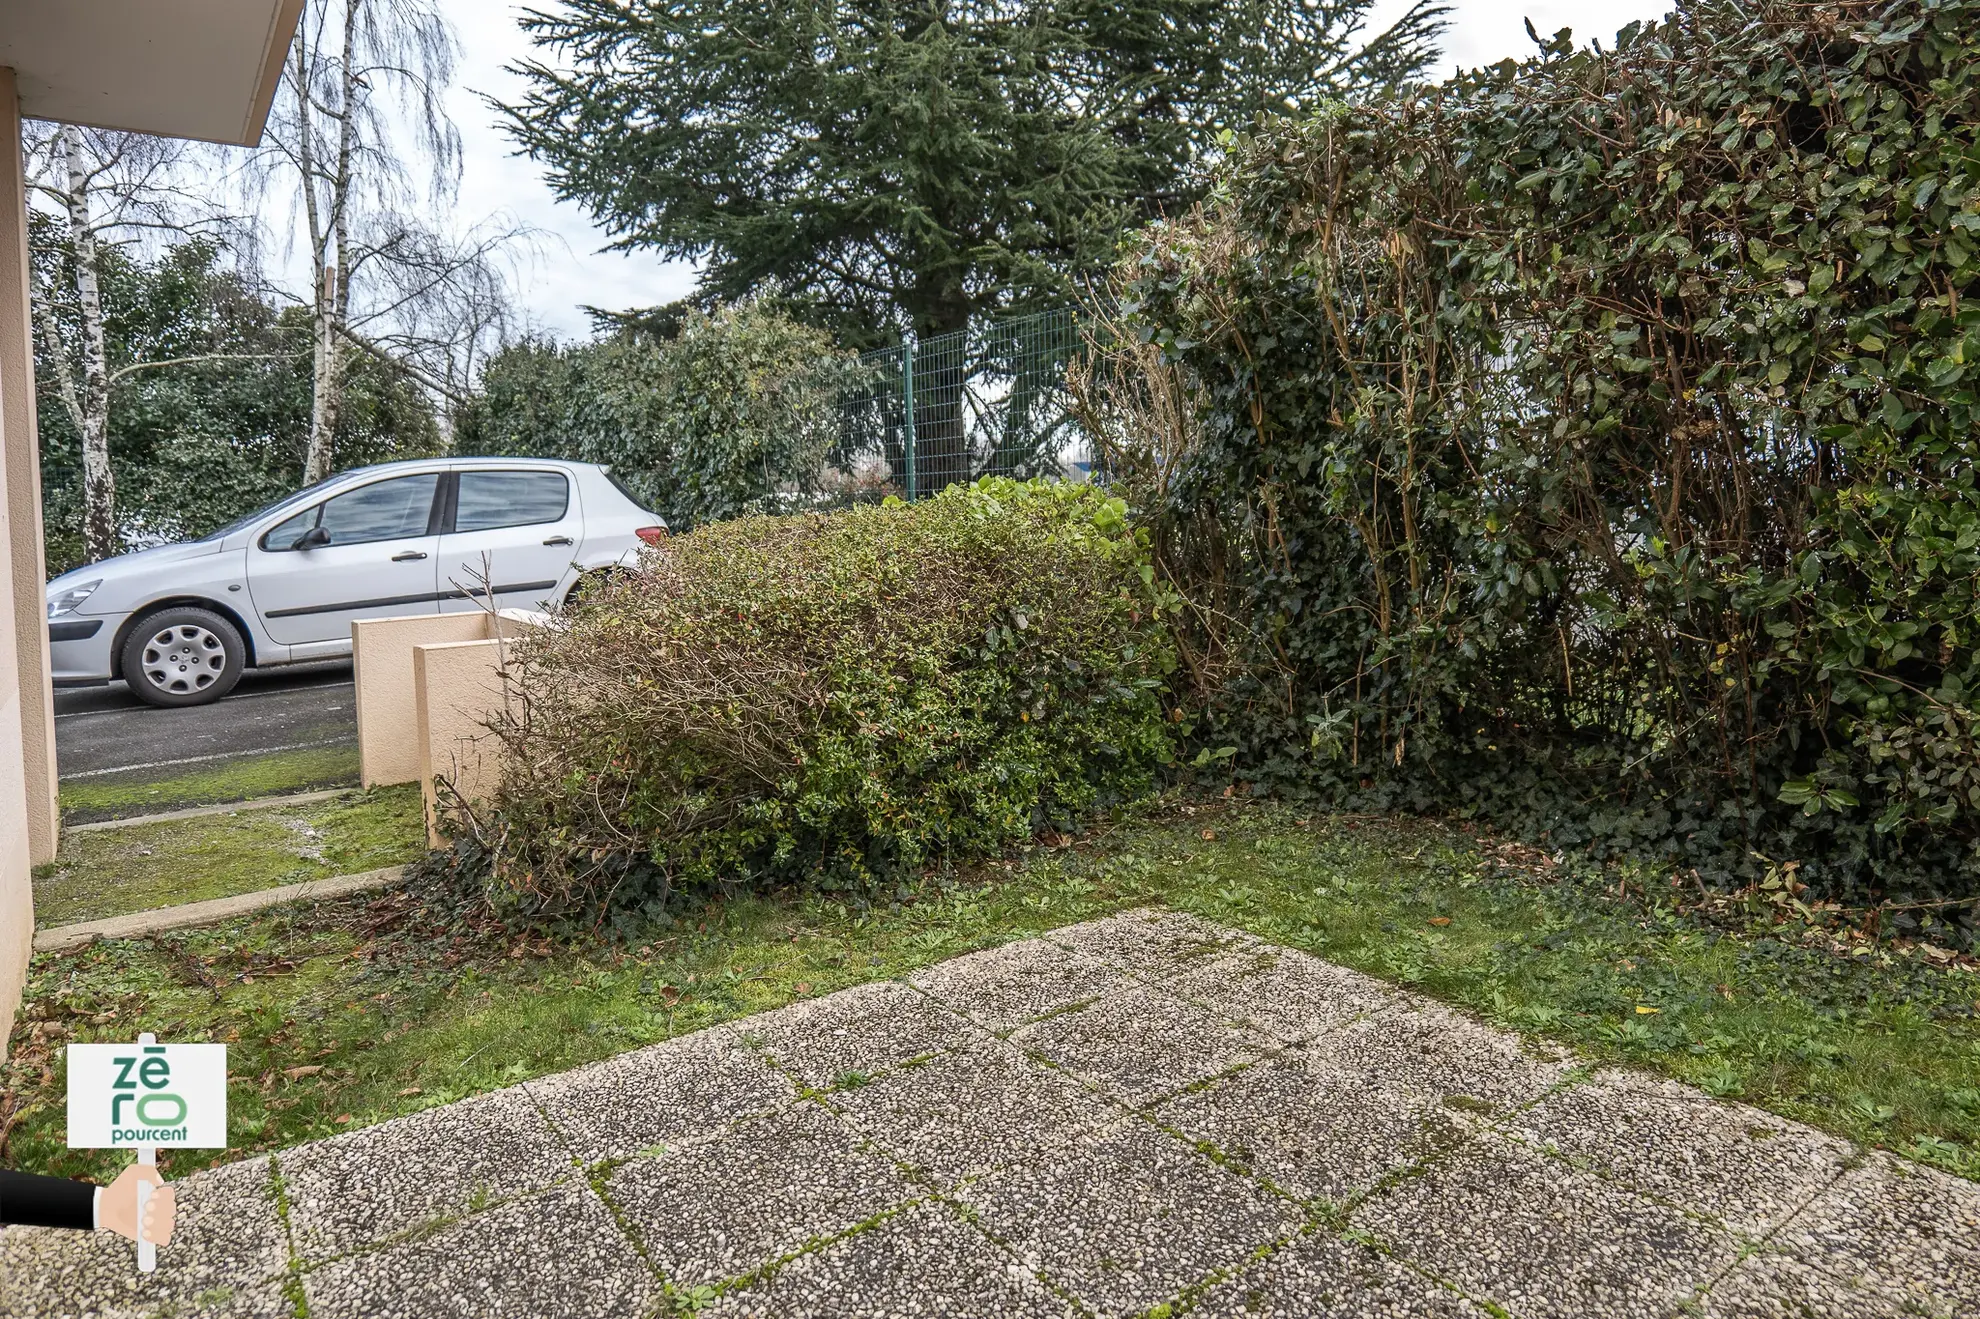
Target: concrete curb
[(63, 938), (223, 808)]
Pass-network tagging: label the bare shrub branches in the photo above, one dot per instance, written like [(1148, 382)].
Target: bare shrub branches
[(832, 699)]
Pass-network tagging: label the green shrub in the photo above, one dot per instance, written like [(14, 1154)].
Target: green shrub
[(736, 411), (1591, 442), (833, 698)]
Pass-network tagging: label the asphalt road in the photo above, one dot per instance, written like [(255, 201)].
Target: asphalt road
[(106, 731)]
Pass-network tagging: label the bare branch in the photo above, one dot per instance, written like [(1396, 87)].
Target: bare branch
[(398, 363), (135, 367)]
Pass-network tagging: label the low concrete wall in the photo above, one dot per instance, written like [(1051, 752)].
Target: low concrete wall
[(387, 698), (389, 741), (457, 686)]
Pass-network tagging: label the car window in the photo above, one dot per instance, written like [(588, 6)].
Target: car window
[(284, 534), (287, 501), (510, 499), (383, 510), (635, 500)]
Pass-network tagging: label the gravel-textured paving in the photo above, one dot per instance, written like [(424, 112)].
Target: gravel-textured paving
[(1144, 1113)]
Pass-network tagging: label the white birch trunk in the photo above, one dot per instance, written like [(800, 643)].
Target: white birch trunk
[(330, 237), (327, 372), (100, 538)]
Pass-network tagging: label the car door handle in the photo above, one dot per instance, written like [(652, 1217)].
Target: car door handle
[(408, 556), (558, 540)]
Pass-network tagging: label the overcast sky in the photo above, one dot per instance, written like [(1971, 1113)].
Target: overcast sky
[(570, 271)]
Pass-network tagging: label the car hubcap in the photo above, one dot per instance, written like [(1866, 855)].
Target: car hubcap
[(183, 659)]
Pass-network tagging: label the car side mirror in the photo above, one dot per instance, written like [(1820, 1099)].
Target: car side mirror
[(312, 538)]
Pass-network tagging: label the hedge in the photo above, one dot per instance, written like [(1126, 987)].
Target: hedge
[(1588, 443), (831, 699)]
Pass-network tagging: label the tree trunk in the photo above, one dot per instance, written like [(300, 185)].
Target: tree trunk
[(331, 236), (327, 377), (941, 376), (100, 539)]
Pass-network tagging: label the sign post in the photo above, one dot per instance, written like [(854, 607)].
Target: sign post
[(147, 1157), (146, 1097)]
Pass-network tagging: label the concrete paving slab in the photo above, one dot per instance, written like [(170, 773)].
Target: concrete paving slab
[(1321, 1275), (923, 1263), (1152, 943), (666, 1094), (765, 1188), (1129, 1219), (1286, 994), (1317, 1132), (1139, 1044), (227, 1259), (1527, 1232), (971, 1111), (555, 1253), (1745, 1167), (1004, 988), (940, 1169), (366, 1187), (1436, 1051), (856, 1032), (1897, 1227), (1770, 1286)]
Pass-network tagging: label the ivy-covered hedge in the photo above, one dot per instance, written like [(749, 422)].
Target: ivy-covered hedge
[(736, 411), (832, 699), (1593, 444)]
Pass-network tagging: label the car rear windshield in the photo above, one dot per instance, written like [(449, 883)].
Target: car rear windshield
[(626, 490)]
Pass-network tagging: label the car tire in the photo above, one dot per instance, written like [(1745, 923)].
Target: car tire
[(590, 584), (183, 656)]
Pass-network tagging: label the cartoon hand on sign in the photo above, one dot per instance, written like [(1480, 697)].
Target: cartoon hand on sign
[(144, 1097), (118, 1209), (31, 1201)]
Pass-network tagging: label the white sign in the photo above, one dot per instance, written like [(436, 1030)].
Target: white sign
[(145, 1095)]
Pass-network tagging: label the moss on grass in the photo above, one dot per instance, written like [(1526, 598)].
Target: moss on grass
[(118, 796), (333, 1020), (118, 871)]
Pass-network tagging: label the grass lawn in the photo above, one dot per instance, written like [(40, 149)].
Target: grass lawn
[(116, 871), (350, 1013), (117, 796)]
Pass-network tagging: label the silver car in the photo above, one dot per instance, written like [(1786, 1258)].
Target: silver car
[(181, 623)]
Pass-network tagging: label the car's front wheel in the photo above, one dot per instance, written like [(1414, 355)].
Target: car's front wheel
[(183, 656)]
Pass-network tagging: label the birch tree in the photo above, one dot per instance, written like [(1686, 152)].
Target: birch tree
[(106, 188), (361, 114), (90, 407)]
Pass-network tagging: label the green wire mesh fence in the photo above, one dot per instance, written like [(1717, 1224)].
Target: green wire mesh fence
[(990, 400)]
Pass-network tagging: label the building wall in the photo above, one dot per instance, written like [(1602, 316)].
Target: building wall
[(26, 732), (23, 441)]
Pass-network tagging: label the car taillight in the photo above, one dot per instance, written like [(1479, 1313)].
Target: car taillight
[(651, 535)]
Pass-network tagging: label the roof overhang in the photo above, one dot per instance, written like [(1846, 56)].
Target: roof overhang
[(203, 69)]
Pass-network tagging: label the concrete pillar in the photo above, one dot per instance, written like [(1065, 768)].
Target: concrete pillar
[(23, 440), (457, 687), (389, 737), (27, 760)]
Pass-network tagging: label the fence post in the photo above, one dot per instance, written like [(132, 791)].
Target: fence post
[(907, 407)]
